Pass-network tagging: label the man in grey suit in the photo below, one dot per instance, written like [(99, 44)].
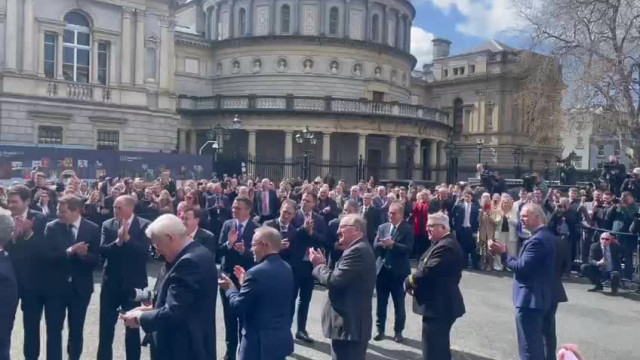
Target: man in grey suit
[(8, 286), (346, 317)]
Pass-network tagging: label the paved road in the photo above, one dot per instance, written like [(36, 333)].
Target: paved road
[(605, 327)]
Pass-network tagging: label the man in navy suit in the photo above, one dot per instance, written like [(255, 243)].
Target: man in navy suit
[(264, 300), (190, 218), (533, 286), (235, 244), (125, 249), (218, 205), (291, 244), (71, 252), (181, 320), (25, 250), (332, 245), (266, 202), (8, 286), (465, 223), (312, 230), (393, 244)]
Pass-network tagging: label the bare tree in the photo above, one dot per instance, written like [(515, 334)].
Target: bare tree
[(598, 44)]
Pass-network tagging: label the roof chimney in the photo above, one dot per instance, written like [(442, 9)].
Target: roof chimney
[(440, 48)]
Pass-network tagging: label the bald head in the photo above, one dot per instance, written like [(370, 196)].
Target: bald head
[(123, 207)]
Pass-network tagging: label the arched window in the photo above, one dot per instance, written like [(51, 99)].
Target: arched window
[(285, 19), (243, 22), (76, 58), (458, 123), (374, 28), (334, 22)]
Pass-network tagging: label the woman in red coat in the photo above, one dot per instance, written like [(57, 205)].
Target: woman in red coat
[(419, 216)]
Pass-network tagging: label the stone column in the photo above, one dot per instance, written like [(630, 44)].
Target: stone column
[(385, 25), (408, 35), (367, 21), (251, 143), (183, 141), (27, 38), (392, 160), (250, 19), (125, 71), (59, 56), (214, 23), (171, 59), (112, 63), (323, 18), (326, 153), (417, 159), (272, 18), (94, 61), (442, 161), (288, 154), (164, 53), (362, 146), (193, 142), (140, 22), (41, 54), (398, 27), (11, 36), (433, 159), (232, 16), (347, 20)]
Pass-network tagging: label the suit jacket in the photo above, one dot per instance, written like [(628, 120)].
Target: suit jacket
[(373, 218), (206, 239), (75, 270), (274, 204), (51, 209), (457, 217), (347, 313), (182, 322), (436, 281), (298, 243), (264, 302), (231, 257), (331, 243), (395, 258), (26, 255), (436, 205), (8, 302), (333, 209), (562, 266), (534, 268), (125, 266), (596, 254)]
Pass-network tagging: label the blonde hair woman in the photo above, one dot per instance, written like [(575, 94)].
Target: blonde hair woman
[(506, 222), (486, 231)]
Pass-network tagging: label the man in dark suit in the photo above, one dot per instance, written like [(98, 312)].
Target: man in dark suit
[(465, 223), (181, 321), (264, 300), (346, 317), (125, 249), (219, 207), (354, 194), (71, 253), (435, 288), (25, 250), (327, 207), (293, 250), (332, 245), (371, 215), (533, 285), (235, 245), (442, 203), (266, 202), (190, 218), (8, 286), (311, 230), (604, 263), (393, 244)]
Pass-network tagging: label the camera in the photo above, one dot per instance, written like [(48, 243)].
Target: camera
[(143, 295)]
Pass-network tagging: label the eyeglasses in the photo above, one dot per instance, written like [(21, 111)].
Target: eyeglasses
[(344, 226)]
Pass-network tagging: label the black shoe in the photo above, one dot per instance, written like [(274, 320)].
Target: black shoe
[(379, 336), (596, 288), (302, 335), (398, 337)]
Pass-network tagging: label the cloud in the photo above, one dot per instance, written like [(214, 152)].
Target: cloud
[(482, 18), (421, 46)]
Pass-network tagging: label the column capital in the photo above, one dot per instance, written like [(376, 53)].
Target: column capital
[(127, 12), (140, 15)]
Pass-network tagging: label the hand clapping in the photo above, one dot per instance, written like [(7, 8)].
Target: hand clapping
[(226, 283), (240, 273), (316, 257)]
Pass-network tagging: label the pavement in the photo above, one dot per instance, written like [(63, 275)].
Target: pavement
[(604, 327)]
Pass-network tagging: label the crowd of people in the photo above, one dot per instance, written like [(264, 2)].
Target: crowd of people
[(275, 241)]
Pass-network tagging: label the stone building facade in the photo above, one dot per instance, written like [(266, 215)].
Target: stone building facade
[(160, 75)]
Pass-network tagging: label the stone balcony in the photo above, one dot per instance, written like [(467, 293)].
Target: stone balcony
[(306, 104)]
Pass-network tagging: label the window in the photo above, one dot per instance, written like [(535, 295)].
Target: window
[(243, 22), (472, 69), (446, 73), (462, 70), (150, 66), (488, 120), (579, 143), (76, 48), (378, 96), (458, 71), (103, 62), (285, 19), (51, 135), (600, 165), (50, 41), (458, 121), (374, 28), (334, 21), (616, 150), (577, 162), (108, 140), (600, 150)]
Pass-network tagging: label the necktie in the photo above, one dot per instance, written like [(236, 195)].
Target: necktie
[(393, 231), (71, 228), (240, 228), (265, 203)]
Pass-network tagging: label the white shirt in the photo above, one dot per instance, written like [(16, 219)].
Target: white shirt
[(193, 234), (75, 227), (467, 215)]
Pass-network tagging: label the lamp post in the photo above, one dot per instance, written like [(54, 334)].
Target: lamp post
[(518, 154), (303, 137), (212, 139), (480, 146)]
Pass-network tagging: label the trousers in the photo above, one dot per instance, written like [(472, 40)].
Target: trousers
[(303, 284), (111, 301), (388, 283), (529, 328), (436, 343), (55, 311), (348, 350)]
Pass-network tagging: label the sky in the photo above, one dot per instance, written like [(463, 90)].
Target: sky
[(466, 23)]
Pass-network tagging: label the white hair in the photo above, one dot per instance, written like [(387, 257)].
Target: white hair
[(439, 218), (167, 224), (270, 236), (6, 226)]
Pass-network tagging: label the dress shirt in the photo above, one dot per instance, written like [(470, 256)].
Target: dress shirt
[(74, 228), (193, 234), (606, 250), (467, 215), (265, 202)]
